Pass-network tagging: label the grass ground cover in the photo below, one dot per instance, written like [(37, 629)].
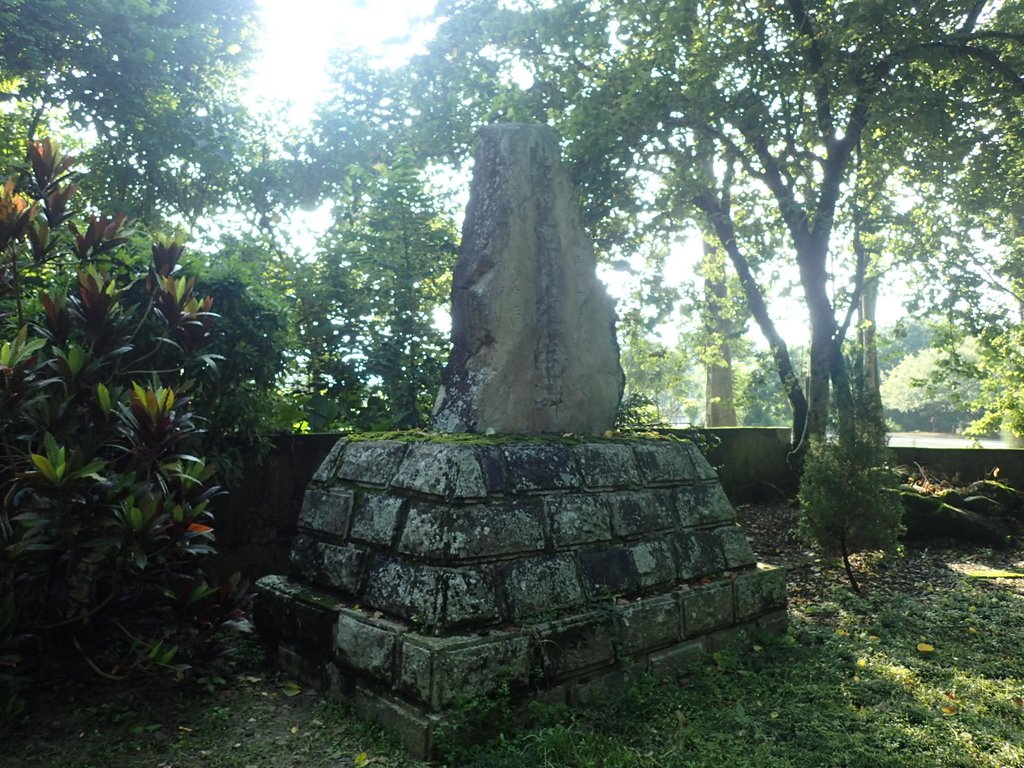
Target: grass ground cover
[(924, 668)]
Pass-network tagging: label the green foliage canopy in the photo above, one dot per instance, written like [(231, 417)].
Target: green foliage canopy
[(783, 127), (369, 352), (150, 87)]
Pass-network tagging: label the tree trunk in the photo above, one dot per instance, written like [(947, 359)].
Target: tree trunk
[(870, 378), (811, 257), (720, 408), (722, 223)]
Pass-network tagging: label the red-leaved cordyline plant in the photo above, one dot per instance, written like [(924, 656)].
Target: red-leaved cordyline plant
[(105, 511)]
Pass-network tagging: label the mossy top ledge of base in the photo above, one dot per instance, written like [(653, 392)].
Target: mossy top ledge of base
[(469, 438)]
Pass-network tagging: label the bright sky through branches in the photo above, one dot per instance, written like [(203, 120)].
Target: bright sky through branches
[(291, 74), (298, 36)]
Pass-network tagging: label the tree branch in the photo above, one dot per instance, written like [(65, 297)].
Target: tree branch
[(816, 66), (986, 56), (990, 34), (972, 16), (721, 221)]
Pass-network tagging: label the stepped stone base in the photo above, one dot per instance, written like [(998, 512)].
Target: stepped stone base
[(427, 573)]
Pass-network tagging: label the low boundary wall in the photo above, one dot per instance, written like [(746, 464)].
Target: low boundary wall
[(257, 520)]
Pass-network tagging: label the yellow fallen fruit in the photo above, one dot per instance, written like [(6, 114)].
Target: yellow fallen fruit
[(925, 647)]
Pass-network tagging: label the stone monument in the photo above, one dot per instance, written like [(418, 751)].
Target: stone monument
[(533, 330), (549, 562)]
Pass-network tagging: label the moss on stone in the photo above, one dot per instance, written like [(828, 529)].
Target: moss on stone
[(467, 438)]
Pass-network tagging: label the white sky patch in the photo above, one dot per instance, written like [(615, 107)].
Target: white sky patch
[(290, 73), (298, 36)]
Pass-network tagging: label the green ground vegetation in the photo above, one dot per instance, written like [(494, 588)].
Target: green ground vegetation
[(924, 667)]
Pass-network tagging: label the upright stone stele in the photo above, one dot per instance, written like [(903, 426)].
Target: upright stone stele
[(431, 571), (533, 330)]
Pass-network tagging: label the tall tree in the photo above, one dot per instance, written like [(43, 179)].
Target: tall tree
[(719, 328), (807, 106), (366, 304), (976, 280), (151, 88)]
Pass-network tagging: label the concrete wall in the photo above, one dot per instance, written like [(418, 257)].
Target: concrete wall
[(967, 464), (751, 462)]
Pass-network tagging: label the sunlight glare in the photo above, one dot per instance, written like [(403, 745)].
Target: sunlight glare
[(298, 36)]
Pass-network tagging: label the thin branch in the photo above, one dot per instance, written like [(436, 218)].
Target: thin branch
[(985, 56), (720, 219), (990, 34), (731, 146), (92, 664)]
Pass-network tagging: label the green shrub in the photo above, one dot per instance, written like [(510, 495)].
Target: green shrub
[(847, 503), (105, 517), (638, 411)]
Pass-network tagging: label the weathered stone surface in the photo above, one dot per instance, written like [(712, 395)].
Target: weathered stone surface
[(609, 571), (441, 670), (326, 511), (540, 586), (491, 531), (426, 531), (733, 638), (341, 567), (654, 563), (649, 624), (415, 676), (578, 518), (667, 664), (413, 728), (298, 663), (478, 564), (436, 598), (708, 607), (272, 605), (313, 621), (294, 614), (574, 645), (702, 469), (760, 591), (606, 465), (698, 553), (329, 466), (532, 326), (372, 462), (441, 469), (663, 462), (637, 513), (492, 464), (303, 557), (540, 466), (701, 505), (365, 647), (736, 548), (375, 518)]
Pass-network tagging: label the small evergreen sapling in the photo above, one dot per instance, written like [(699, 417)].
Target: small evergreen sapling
[(847, 502)]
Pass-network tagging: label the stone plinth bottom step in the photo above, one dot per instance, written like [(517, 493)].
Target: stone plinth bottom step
[(411, 682)]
